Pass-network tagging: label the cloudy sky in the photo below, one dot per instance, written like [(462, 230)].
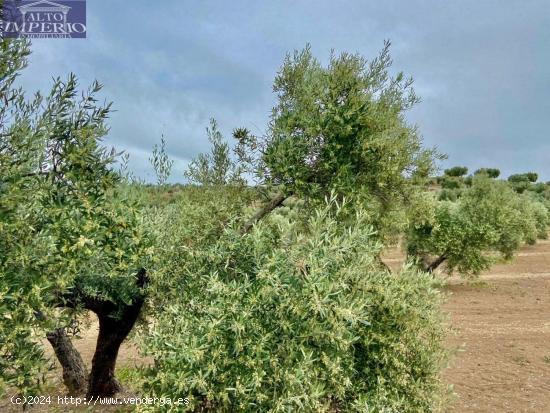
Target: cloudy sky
[(481, 67)]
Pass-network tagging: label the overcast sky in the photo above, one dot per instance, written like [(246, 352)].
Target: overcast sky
[(482, 69)]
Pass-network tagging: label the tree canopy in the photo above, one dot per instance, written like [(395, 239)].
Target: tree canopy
[(487, 217), (67, 241), (342, 128), (456, 171)]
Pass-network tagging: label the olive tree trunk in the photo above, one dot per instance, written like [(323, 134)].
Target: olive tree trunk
[(75, 375), (112, 332), (431, 267), (115, 323)]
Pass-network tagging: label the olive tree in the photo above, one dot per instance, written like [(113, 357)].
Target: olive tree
[(161, 162), (340, 127), (216, 167), (456, 171), (287, 310), (68, 241), (488, 217), (292, 316), (490, 172), (523, 182)]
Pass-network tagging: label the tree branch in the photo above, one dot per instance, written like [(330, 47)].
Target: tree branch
[(275, 202), (75, 375), (435, 263)]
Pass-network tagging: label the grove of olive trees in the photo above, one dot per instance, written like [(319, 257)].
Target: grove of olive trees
[(259, 286)]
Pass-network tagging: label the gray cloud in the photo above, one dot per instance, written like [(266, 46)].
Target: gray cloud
[(481, 67)]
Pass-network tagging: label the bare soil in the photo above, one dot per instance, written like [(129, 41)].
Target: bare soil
[(128, 357), (499, 335), (499, 339)]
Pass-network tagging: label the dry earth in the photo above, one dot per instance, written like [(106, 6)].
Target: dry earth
[(500, 329), (499, 337), (128, 358)]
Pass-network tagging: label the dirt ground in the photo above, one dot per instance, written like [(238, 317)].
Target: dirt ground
[(128, 358), (499, 338), (500, 335)]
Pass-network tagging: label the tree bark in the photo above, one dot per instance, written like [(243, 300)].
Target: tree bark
[(75, 375), (436, 263), (115, 324), (275, 202), (112, 333)]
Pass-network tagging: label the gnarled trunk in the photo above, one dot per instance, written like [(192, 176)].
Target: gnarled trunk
[(112, 332), (115, 324), (75, 375)]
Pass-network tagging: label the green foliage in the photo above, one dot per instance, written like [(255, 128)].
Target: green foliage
[(451, 183), (293, 318), (454, 182), (342, 128), (456, 171), (540, 188), (526, 177), (449, 195), (194, 218), (216, 167), (488, 217), (296, 315), (523, 182), (161, 163), (64, 230), (19, 244), (452, 186), (490, 172), (536, 207)]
